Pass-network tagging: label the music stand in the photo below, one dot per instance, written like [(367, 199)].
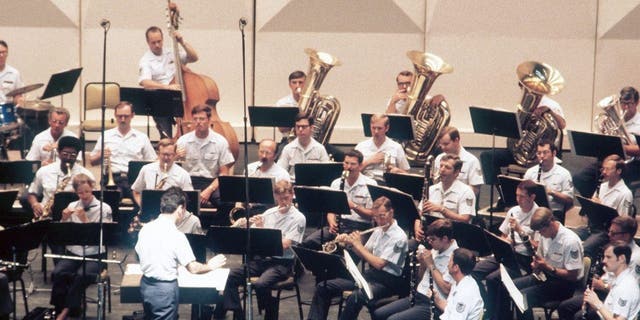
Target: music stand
[(150, 203), (61, 83), (599, 215), (154, 102), (322, 265), (227, 240), (502, 251), (406, 182), (7, 198), (508, 186), (232, 189), (401, 127), (19, 171), (496, 123), (317, 174), (134, 170), (405, 211), (267, 116), (595, 145), (319, 201), (63, 198), (467, 235)]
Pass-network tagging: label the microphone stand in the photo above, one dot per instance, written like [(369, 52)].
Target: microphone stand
[(105, 24), (248, 301)]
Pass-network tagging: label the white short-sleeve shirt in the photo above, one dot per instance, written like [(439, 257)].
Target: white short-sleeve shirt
[(624, 297), (464, 301), (564, 251), (390, 246), (471, 172), (557, 179), (42, 139), (150, 175), (294, 153), (389, 147), (618, 197), (357, 193), (48, 177), (10, 80), (204, 157), (292, 224), (275, 171), (93, 215), (133, 146), (159, 68), (441, 261), (458, 198)]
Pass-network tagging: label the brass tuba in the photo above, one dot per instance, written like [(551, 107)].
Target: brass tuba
[(611, 120), (537, 79), (429, 120), (324, 110)]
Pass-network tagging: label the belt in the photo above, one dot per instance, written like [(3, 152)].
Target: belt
[(149, 279), (119, 174)]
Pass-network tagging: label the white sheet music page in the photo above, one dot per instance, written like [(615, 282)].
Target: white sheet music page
[(515, 294), (357, 276), (212, 279)]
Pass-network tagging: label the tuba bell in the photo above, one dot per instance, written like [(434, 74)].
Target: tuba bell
[(324, 110), (611, 120), (537, 79), (429, 120)]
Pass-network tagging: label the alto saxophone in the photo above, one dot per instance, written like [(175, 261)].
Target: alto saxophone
[(46, 209), (164, 176)]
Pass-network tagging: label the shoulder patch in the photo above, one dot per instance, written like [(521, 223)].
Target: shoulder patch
[(637, 269), (399, 246), (300, 228), (460, 307), (573, 254), (622, 302), (469, 201)]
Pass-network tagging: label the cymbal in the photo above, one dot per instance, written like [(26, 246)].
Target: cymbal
[(24, 89)]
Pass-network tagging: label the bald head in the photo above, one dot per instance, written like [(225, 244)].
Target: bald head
[(267, 152)]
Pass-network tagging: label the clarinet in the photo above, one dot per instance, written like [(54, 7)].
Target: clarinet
[(428, 164), (539, 171), (513, 234), (343, 178), (413, 281), (596, 267)]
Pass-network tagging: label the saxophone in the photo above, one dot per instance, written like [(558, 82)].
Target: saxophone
[(48, 206), (611, 120), (537, 79), (429, 120), (136, 223), (324, 110)]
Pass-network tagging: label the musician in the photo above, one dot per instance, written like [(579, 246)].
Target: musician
[(296, 83), (361, 214), (384, 252), (440, 237), (161, 174), (622, 229), (206, 154), (559, 256), (613, 192), (623, 301), (161, 248), (448, 198), (6, 304), (377, 149), (121, 145), (587, 179), (398, 102), (471, 172), (50, 178), (304, 148), (266, 166), (44, 146), (10, 78), (556, 179), (157, 69), (69, 281), (271, 270), (464, 300), (491, 163)]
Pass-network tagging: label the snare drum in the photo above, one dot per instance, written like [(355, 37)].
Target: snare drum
[(7, 114)]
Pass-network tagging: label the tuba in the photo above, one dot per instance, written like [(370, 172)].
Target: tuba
[(429, 120), (537, 79), (324, 110), (611, 120)]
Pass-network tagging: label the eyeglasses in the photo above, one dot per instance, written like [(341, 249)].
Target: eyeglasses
[(60, 122), (66, 154), (403, 84), (615, 233), (125, 116), (543, 152), (302, 126), (200, 119)]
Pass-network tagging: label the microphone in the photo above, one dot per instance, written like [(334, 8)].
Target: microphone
[(104, 22), (243, 21)]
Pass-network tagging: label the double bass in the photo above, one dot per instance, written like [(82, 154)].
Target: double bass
[(197, 89)]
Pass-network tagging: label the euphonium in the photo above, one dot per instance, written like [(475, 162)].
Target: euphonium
[(611, 120), (324, 110), (429, 120), (537, 79), (48, 206)]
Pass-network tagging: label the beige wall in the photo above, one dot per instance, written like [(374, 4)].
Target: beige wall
[(483, 40)]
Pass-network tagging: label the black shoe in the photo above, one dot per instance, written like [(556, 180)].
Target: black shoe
[(238, 315)]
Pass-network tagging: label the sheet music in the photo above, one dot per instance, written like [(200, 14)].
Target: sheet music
[(515, 294), (357, 276), (213, 279)]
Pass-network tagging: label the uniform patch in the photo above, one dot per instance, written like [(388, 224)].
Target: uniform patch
[(622, 302), (300, 229), (627, 204), (574, 254), (469, 201), (398, 246), (637, 269), (460, 307)]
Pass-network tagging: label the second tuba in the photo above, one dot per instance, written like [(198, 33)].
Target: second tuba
[(536, 79), (611, 120), (429, 120), (324, 110)]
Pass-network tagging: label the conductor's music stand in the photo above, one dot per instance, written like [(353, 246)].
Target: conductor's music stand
[(400, 126), (405, 211), (61, 83), (317, 174), (496, 123), (154, 102)]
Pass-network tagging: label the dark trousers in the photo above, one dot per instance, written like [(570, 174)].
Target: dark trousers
[(164, 126), (270, 272), (6, 305), (593, 240), (69, 283), (570, 308), (382, 285), (402, 310), (159, 298), (537, 293), (488, 270)]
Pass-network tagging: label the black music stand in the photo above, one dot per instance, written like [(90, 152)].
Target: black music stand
[(19, 171), (227, 240), (467, 235), (154, 102), (61, 83), (63, 198), (405, 211), (503, 251), (232, 189), (496, 123), (595, 145), (321, 201), (508, 186), (263, 116), (600, 216), (7, 198), (134, 170), (317, 174), (323, 265), (400, 126), (406, 182), (150, 203)]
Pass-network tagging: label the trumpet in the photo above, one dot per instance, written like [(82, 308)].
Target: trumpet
[(111, 184), (332, 246)]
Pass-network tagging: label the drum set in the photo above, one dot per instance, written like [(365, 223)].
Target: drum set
[(19, 121)]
